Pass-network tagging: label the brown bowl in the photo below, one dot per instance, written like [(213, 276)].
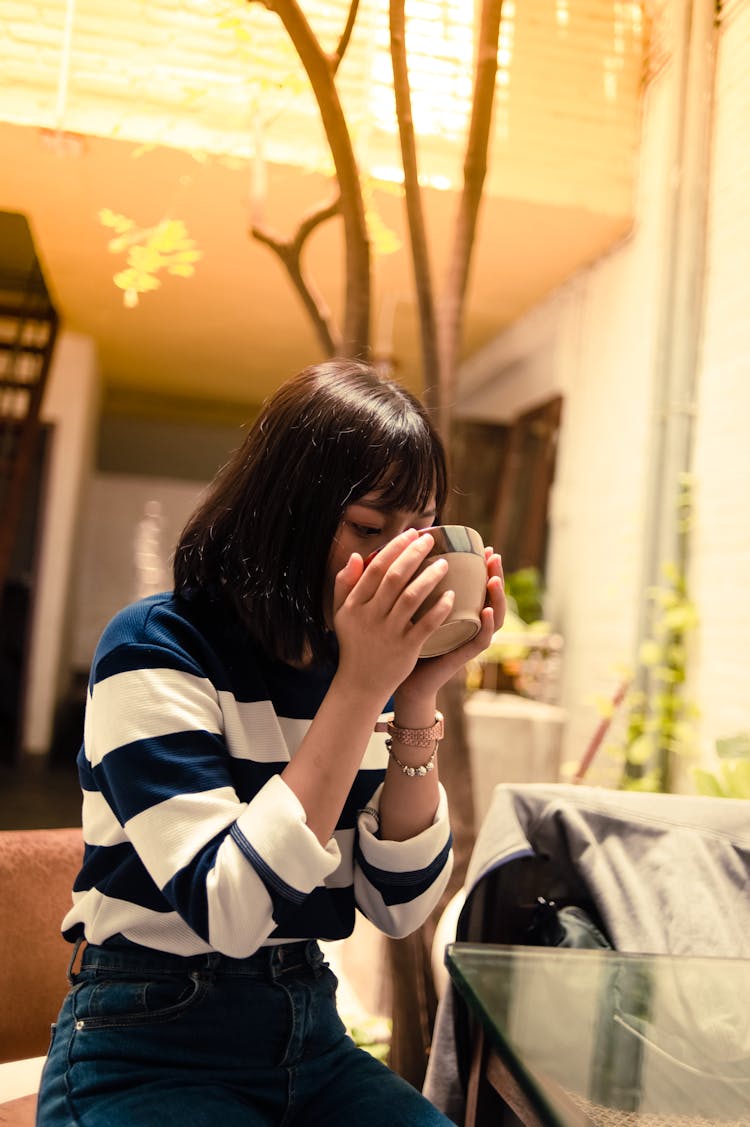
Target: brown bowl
[(463, 549)]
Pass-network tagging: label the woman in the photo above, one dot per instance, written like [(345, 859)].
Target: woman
[(237, 805)]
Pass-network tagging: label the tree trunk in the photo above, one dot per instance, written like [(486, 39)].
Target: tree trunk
[(415, 213), (451, 318), (409, 959)]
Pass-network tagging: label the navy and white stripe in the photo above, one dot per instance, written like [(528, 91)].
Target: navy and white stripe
[(193, 841)]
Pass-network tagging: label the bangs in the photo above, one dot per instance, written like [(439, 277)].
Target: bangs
[(408, 474)]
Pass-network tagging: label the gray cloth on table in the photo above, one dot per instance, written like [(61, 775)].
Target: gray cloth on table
[(668, 874)]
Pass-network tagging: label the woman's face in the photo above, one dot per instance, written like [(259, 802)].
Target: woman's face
[(368, 524)]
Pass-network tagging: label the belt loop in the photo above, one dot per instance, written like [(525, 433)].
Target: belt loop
[(207, 967), (76, 948), (315, 957)]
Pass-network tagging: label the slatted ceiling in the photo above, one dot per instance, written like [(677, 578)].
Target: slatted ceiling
[(565, 140), (192, 73)]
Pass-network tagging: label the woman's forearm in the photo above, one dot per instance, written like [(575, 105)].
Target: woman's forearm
[(408, 802), (326, 763)]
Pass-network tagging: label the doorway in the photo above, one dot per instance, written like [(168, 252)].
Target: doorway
[(16, 604)]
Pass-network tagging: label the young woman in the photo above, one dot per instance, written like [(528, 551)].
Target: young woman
[(239, 800)]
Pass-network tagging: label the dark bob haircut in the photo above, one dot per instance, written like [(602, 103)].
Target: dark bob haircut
[(261, 538)]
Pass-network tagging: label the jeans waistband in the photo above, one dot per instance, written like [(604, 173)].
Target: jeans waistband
[(120, 954)]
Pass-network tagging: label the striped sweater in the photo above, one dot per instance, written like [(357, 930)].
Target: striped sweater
[(193, 842)]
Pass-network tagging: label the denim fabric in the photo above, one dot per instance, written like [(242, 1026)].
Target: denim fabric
[(146, 1039)]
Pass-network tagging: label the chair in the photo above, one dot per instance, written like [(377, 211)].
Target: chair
[(657, 873), (37, 871)]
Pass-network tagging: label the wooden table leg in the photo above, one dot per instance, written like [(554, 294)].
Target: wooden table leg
[(488, 1079)]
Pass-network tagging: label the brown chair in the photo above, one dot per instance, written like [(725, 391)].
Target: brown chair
[(37, 870)]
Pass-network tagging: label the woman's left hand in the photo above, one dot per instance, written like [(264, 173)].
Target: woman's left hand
[(431, 673)]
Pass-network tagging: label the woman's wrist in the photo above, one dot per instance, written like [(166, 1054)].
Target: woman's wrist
[(414, 712), (360, 699), (413, 748)]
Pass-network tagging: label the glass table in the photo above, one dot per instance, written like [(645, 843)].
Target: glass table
[(598, 1038)]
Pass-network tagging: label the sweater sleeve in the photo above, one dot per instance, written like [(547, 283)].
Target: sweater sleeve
[(160, 781), (398, 883)]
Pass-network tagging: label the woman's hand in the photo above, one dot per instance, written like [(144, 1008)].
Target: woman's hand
[(432, 673), (373, 610)]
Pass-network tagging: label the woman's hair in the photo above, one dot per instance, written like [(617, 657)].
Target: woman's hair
[(261, 538)]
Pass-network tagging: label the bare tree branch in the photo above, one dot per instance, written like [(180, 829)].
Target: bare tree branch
[(290, 253), (409, 959), (346, 35), (440, 327), (315, 218), (414, 210), (355, 339), (450, 321)]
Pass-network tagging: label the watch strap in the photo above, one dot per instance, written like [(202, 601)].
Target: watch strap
[(418, 737)]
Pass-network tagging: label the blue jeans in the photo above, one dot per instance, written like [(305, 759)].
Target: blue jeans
[(146, 1039)]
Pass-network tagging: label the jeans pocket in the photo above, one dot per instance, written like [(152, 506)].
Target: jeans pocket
[(120, 1002)]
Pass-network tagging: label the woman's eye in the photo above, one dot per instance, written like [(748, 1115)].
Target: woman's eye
[(365, 530)]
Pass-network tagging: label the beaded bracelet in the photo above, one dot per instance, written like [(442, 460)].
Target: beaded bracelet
[(421, 770)]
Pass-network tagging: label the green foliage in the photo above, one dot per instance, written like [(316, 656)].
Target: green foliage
[(524, 591), (167, 246), (660, 720), (373, 1034), (732, 777)]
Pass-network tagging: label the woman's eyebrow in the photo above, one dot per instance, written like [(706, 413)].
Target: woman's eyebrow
[(376, 506), (385, 509)]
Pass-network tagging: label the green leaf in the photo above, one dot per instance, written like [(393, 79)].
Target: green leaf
[(671, 572), (684, 734), (707, 783), (650, 653), (650, 782), (737, 778), (681, 617), (605, 707), (734, 746), (640, 751)]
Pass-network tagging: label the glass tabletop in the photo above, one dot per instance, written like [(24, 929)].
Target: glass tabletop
[(602, 1038)]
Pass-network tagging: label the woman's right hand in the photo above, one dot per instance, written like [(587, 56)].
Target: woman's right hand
[(373, 609)]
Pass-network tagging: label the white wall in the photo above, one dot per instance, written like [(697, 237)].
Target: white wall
[(107, 578), (71, 404), (596, 341), (721, 540)]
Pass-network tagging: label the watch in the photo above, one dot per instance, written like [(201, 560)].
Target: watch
[(418, 737)]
